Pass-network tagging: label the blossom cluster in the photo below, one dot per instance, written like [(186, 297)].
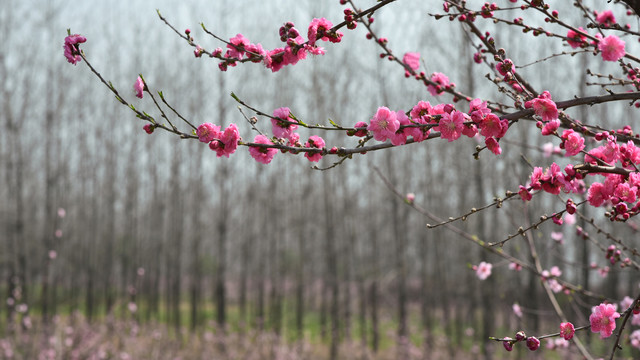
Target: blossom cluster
[(239, 48), (532, 342), (617, 190), (224, 143), (396, 126)]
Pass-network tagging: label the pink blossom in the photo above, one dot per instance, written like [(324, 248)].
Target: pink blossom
[(293, 54), (384, 124), (567, 330), (625, 192), (483, 270), (606, 18), (555, 286), (62, 213), (508, 342), (412, 60), (314, 142), (550, 127), (319, 30), (53, 254), (626, 303), (517, 310), (149, 128), (573, 142), (139, 86), (207, 132), (545, 108), (442, 80), (237, 46), (611, 48), (451, 125), (603, 319), (536, 176), (227, 143), (71, 50), (492, 125), (400, 137), (557, 236), (255, 52), (576, 39), (361, 129), (596, 195), (198, 51), (634, 338), (410, 197), (533, 343), (262, 155), (420, 114), (524, 193), (281, 127), (604, 271), (274, 59), (505, 67), (58, 233), (493, 145), (555, 271)]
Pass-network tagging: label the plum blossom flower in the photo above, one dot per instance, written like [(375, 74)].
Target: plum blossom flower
[(149, 128), (400, 137), (603, 319), (493, 145), (281, 127), (412, 59), (605, 18), (62, 213), (517, 310), (483, 270), (410, 198), (533, 343), (596, 195), (567, 330), (139, 86), (575, 38), (71, 51), (384, 124), (557, 236), (260, 154), (207, 132), (314, 142), (611, 48), (573, 142), (451, 125), (524, 193), (237, 46), (442, 80), (227, 143), (626, 303), (320, 27), (634, 338), (545, 108)]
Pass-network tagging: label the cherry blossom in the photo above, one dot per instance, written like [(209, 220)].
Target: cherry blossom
[(603, 319)]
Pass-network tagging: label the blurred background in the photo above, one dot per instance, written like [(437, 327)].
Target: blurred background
[(118, 244)]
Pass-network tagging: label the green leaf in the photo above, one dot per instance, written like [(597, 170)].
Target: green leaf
[(333, 123)]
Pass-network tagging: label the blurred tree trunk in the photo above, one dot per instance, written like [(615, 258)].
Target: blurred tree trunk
[(332, 266), (196, 203), (176, 231), (398, 217)]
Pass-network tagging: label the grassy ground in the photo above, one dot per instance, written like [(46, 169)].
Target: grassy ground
[(71, 336)]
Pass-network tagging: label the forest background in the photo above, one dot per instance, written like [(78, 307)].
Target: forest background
[(101, 223)]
